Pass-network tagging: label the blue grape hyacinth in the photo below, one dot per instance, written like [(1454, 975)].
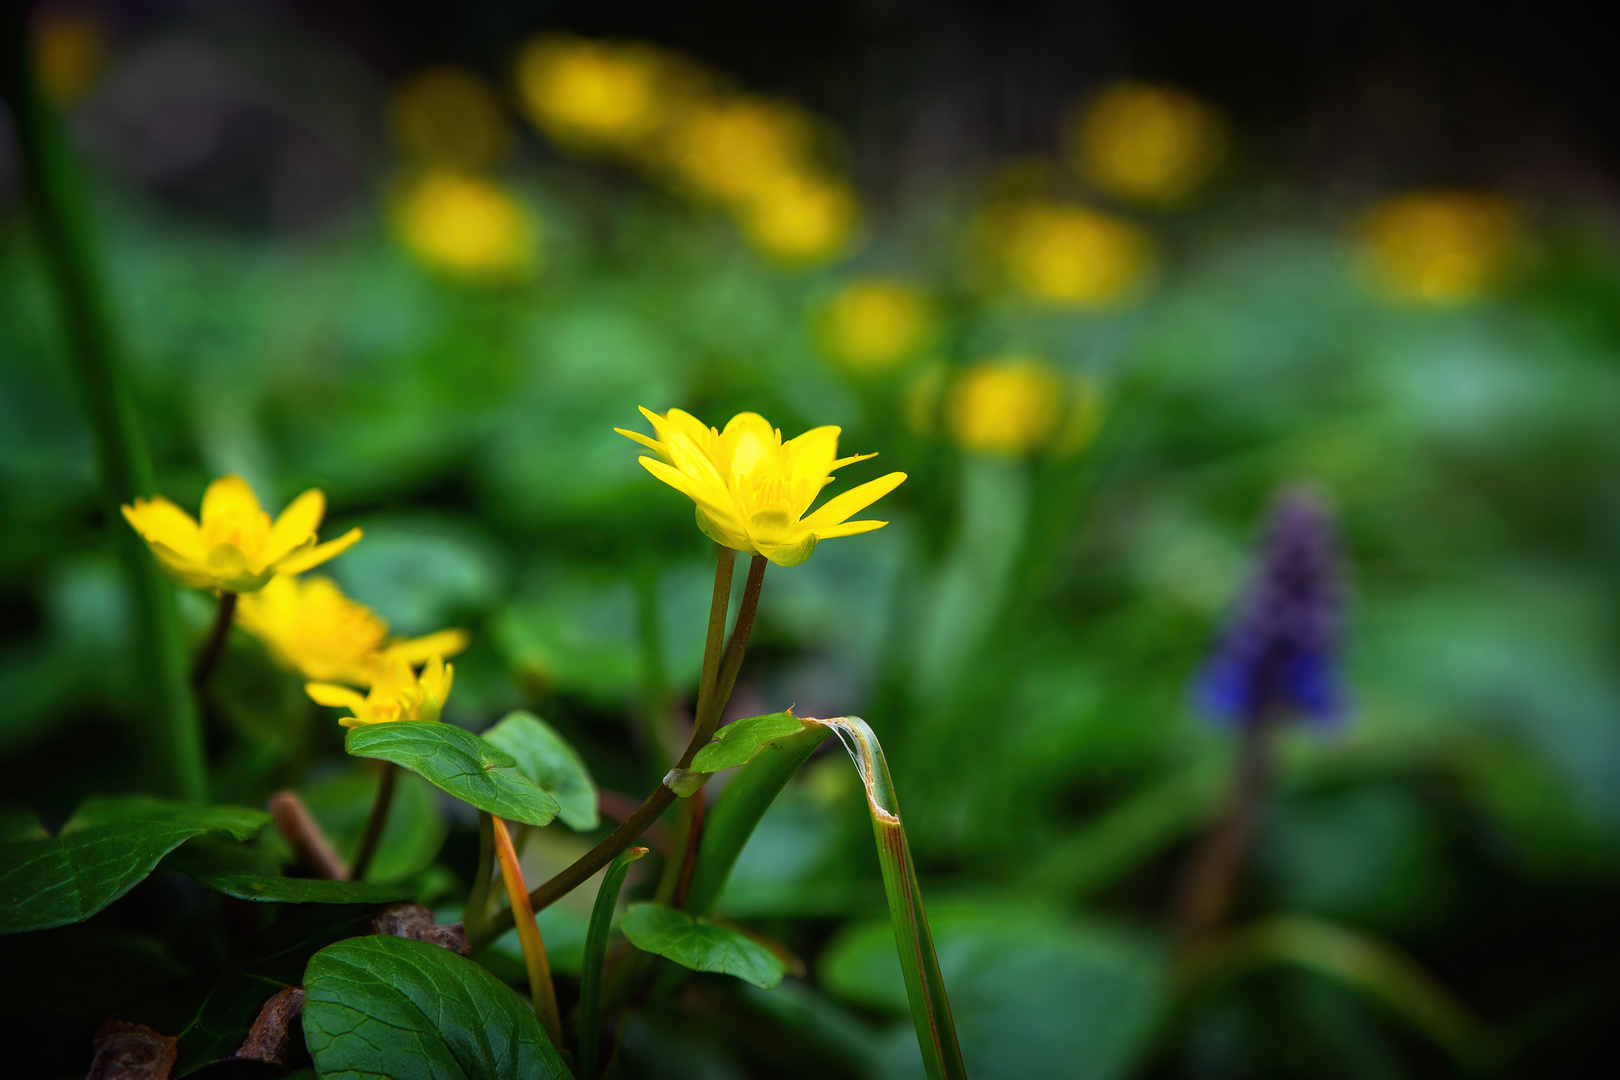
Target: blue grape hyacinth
[(1278, 652)]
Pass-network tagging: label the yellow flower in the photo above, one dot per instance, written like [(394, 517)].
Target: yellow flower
[(594, 94), (467, 224), (1147, 143), (800, 219), (1438, 247), (873, 325), (752, 489), (1006, 406), (70, 51), (397, 693), (310, 626), (448, 117), (736, 149), (1072, 255), (235, 548)]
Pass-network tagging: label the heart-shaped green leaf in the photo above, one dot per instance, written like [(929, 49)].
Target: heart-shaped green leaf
[(457, 762), (700, 945), (544, 757), (101, 853), (738, 742), (289, 890), (385, 1006)]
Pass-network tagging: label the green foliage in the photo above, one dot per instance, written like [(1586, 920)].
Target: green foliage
[(700, 945), (103, 851), (416, 827), (286, 890), (546, 758), (457, 762), (739, 741), (403, 1009)]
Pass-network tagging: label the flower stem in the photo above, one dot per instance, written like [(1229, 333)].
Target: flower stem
[(90, 344), (534, 950), (590, 981), (214, 647), (1206, 891), (719, 672), (477, 910), (694, 838), (374, 824)]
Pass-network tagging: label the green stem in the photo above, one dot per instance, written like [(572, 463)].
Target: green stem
[(121, 455), (590, 983), (925, 987), (718, 671), (477, 912), (214, 648), (375, 822)]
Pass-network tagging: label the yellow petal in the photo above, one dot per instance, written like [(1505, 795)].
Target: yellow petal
[(160, 521), (724, 532), (848, 528), (339, 697), (296, 524), (709, 494), (652, 444), (187, 571), (229, 495), (690, 426), (442, 643), (810, 456), (853, 501), (298, 562)]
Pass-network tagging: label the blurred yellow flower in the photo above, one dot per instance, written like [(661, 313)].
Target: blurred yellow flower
[(874, 325), (1072, 255), (1438, 247), (467, 224), (800, 219), (310, 626), (752, 489), (1146, 143), (594, 94), (235, 548), (397, 693), (1005, 406), (70, 50), (449, 118), (737, 149)]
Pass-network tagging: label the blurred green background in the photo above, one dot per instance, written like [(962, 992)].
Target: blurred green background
[(1100, 278)]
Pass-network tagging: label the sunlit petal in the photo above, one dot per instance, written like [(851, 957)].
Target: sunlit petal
[(853, 501)]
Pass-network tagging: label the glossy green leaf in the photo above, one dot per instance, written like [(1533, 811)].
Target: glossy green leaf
[(101, 853), (460, 763), (546, 758), (383, 1006), (738, 742), (288, 890), (700, 945)]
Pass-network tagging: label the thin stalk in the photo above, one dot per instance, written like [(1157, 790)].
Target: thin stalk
[(477, 910), (534, 950), (720, 673), (375, 822), (714, 638), (925, 987), (304, 834), (590, 982), (214, 647), (694, 837), (91, 347), (1206, 891)]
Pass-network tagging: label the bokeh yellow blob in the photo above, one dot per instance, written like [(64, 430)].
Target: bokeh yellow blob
[(1438, 247), (875, 325), (449, 118), (1069, 254), (1005, 406), (599, 95), (467, 224), (70, 50), (1147, 144), (738, 149), (800, 219)]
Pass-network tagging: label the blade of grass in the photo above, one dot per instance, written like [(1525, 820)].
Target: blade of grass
[(534, 950), (590, 982), (925, 987), (126, 470)]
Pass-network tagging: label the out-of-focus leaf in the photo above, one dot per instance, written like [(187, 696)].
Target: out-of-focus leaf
[(286, 890), (738, 742), (700, 945), (380, 1006), (423, 573), (102, 853), (457, 762), (573, 631), (1034, 996), (411, 839), (544, 757)]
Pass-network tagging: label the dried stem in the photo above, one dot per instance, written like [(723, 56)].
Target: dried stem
[(300, 829), (534, 950)]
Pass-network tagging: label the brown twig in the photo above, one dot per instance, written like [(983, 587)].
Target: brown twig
[(300, 829)]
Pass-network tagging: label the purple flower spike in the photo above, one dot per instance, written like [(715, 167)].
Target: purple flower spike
[(1279, 649)]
